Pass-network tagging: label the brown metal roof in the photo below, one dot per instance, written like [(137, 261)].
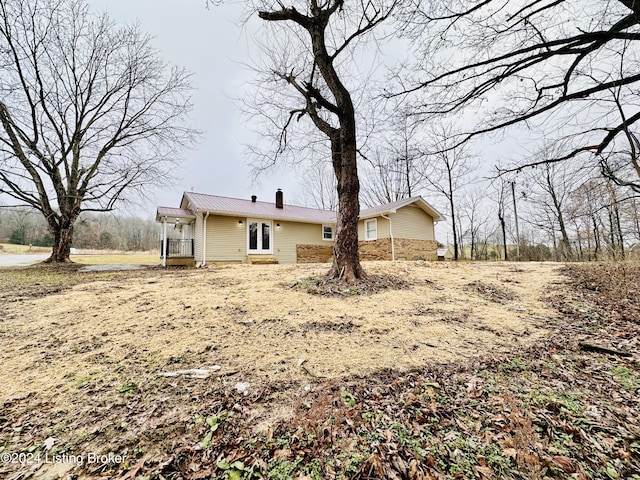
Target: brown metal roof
[(171, 212), (240, 207), (246, 208)]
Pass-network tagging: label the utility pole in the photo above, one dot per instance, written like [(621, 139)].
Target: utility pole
[(515, 214)]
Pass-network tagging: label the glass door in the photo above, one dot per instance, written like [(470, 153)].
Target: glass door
[(259, 237)]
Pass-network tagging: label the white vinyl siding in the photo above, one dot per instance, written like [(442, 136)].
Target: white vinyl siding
[(409, 222), (197, 238), (290, 234), (412, 222), (226, 239)]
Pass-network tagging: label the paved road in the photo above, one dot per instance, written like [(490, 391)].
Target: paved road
[(17, 260)]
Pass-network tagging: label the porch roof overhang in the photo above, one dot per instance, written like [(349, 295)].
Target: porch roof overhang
[(174, 215)]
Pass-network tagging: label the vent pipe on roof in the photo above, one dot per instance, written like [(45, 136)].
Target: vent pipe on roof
[(279, 199), (253, 199)]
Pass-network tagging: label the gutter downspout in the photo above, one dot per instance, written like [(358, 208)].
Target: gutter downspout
[(164, 242), (204, 238), (393, 248)]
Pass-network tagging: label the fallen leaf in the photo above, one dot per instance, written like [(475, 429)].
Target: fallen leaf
[(565, 463)]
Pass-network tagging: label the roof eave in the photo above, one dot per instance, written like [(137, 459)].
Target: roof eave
[(267, 217), (173, 218)]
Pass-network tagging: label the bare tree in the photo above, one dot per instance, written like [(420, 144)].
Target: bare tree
[(549, 190), (319, 187), (566, 68), (585, 206), (449, 167), (501, 187), (475, 218), (326, 33), (88, 112), (22, 221), (396, 169)]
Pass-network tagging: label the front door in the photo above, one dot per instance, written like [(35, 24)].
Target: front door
[(259, 237)]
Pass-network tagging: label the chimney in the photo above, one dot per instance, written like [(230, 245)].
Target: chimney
[(279, 203), (253, 199)]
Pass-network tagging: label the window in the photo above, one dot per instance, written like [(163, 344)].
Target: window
[(327, 232), (371, 229), (253, 236)]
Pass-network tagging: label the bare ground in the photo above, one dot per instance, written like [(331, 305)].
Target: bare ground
[(83, 354), (249, 320)]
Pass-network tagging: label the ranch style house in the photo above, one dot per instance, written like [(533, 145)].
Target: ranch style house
[(214, 229)]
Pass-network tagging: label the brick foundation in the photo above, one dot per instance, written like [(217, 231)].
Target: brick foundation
[(181, 262), (314, 253), (405, 249), (408, 249), (375, 249)]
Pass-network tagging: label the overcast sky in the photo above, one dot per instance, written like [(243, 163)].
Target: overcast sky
[(211, 44)]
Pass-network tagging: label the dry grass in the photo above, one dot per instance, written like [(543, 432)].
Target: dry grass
[(90, 257), (18, 249), (357, 378), (75, 347), (246, 320)]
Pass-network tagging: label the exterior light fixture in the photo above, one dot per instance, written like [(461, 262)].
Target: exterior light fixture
[(239, 222), (278, 225)]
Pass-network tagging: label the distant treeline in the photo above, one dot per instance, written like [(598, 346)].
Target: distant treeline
[(92, 231)]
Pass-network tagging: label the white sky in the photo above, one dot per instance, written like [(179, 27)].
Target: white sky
[(210, 44)]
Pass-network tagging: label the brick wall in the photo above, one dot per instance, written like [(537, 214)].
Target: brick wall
[(181, 261), (375, 249), (314, 253), (405, 249), (408, 249)]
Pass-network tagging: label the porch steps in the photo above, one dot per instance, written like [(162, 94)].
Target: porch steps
[(262, 259)]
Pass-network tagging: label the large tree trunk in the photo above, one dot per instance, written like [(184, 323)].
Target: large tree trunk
[(346, 257), (62, 238)]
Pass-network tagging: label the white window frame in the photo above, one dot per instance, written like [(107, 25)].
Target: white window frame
[(332, 233), (366, 230)]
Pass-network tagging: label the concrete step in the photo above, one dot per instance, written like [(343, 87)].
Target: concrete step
[(262, 259)]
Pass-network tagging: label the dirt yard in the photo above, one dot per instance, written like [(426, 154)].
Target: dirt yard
[(105, 362), (250, 322)]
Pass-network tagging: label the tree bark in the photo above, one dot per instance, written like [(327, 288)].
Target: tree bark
[(504, 233), (346, 257), (61, 250), (61, 229), (453, 221)]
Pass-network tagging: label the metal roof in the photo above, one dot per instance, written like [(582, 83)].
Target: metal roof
[(246, 208), (239, 207), (173, 213)]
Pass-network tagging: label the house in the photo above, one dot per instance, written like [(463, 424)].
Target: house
[(220, 229)]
